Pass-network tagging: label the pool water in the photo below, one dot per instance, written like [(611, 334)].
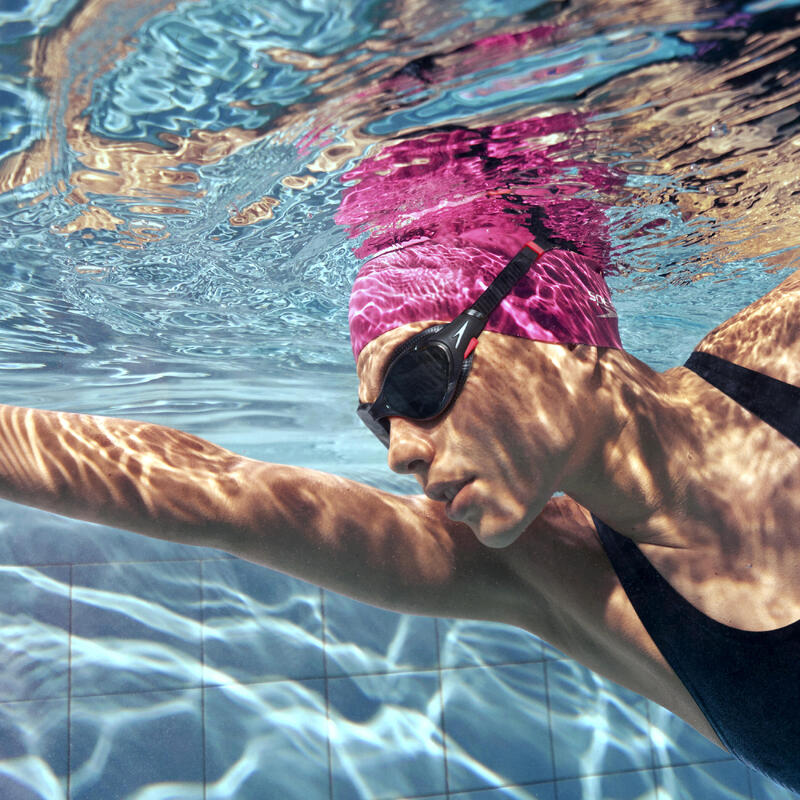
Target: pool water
[(176, 249)]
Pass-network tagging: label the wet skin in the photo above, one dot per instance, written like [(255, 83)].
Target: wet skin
[(708, 491)]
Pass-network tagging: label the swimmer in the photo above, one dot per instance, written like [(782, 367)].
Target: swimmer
[(669, 562)]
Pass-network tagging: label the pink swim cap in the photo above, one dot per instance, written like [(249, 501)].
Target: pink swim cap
[(439, 216), (563, 298)]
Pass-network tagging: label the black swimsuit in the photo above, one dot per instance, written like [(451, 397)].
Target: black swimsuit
[(746, 683)]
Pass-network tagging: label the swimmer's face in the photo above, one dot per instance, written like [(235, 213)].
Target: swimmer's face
[(497, 454)]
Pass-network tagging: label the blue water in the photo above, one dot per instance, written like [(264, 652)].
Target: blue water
[(170, 175)]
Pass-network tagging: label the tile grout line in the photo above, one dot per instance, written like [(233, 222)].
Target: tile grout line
[(327, 691), (654, 768), (409, 671), (69, 689), (442, 724), (653, 771), (635, 771), (545, 671), (203, 674)]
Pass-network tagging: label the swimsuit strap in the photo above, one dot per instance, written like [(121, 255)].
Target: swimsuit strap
[(775, 402)]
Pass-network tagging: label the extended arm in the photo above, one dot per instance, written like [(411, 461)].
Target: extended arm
[(397, 552)]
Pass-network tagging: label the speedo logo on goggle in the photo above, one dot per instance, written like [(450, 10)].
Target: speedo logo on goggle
[(460, 333)]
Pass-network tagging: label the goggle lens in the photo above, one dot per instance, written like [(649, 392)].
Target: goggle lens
[(416, 385)]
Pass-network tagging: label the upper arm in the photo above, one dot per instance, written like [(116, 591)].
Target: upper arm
[(398, 552), (403, 553), (389, 550)]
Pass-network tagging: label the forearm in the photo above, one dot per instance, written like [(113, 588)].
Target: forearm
[(134, 475)]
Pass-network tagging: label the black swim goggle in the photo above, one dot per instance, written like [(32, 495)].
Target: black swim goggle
[(426, 372)]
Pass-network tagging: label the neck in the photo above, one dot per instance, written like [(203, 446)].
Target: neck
[(634, 467)]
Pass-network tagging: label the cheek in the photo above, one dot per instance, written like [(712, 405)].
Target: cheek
[(483, 442), (528, 410), (488, 417), (512, 446)]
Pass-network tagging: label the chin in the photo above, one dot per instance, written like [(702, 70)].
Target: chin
[(496, 535)]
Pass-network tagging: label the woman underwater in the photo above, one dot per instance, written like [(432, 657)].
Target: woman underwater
[(668, 564), (669, 561)]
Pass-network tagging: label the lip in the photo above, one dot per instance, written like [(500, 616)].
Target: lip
[(446, 491), (452, 506)]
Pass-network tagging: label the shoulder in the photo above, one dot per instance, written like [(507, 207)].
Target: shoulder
[(765, 335)]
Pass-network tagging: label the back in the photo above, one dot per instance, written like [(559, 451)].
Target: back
[(764, 336)]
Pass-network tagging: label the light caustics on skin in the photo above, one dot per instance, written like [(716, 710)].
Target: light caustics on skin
[(165, 483), (150, 465)]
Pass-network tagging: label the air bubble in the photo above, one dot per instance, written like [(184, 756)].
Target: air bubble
[(719, 129)]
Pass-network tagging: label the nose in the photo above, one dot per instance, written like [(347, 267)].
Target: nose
[(410, 447)]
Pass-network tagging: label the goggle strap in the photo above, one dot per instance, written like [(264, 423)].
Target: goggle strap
[(500, 287)]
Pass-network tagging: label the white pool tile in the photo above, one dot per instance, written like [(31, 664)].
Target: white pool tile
[(259, 625), (470, 643), (598, 726), (722, 780), (267, 740), (362, 639), (385, 736), (675, 742), (34, 620), (136, 627), (542, 791), (621, 786), (497, 726), (33, 749), (123, 743)]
